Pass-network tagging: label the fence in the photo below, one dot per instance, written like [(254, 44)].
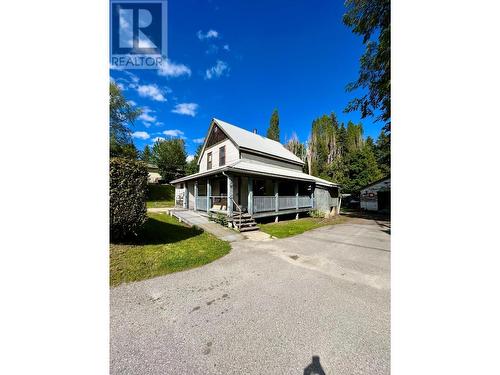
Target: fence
[(268, 203)]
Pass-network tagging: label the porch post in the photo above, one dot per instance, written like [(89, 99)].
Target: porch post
[(209, 192), (186, 196), (276, 196), (196, 195), (229, 195), (297, 199), (250, 195), (297, 195), (312, 195)]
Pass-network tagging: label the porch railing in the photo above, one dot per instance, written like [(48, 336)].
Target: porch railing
[(264, 203), (287, 202), (305, 201), (201, 203)]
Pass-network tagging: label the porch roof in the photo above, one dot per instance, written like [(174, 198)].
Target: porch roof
[(257, 168)]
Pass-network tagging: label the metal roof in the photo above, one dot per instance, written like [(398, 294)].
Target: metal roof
[(255, 142), (257, 168)]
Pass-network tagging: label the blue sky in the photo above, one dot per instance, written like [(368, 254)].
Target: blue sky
[(238, 60)]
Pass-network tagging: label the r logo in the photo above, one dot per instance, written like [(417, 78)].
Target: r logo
[(138, 33)]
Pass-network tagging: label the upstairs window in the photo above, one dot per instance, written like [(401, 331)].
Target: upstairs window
[(209, 160), (222, 156)]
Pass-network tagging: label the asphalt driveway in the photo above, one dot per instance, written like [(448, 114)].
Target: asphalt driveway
[(267, 307)]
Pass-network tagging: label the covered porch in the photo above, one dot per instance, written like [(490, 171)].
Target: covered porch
[(259, 196)]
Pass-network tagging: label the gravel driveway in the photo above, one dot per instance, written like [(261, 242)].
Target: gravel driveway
[(267, 307)]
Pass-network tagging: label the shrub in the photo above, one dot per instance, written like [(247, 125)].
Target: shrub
[(160, 192), (316, 214), (127, 197), (219, 218)]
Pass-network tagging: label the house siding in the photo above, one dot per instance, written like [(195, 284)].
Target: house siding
[(191, 195), (267, 160), (232, 154), (322, 200)]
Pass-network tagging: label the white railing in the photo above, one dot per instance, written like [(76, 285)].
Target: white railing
[(305, 201), (264, 203), (201, 203), (287, 201)]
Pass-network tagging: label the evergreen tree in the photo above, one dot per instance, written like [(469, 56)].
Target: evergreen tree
[(383, 152), (360, 169), (147, 155), (273, 132), (170, 157)]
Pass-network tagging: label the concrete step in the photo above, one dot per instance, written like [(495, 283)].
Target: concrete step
[(248, 224), (246, 229)]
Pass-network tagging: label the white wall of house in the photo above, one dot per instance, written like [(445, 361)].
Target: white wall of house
[(232, 154), (190, 185), (267, 160)]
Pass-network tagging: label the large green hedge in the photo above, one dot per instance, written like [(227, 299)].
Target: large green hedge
[(128, 181), (160, 192)]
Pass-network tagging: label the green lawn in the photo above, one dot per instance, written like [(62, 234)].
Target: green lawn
[(292, 227), (160, 196), (159, 204), (163, 246)]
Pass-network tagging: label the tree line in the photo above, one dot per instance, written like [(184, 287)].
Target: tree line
[(333, 151)]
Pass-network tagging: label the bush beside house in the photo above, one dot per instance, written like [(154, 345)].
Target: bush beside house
[(128, 188)]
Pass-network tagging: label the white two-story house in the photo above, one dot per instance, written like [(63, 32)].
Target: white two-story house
[(243, 172)]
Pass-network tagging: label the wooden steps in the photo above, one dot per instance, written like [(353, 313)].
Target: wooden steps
[(244, 222)]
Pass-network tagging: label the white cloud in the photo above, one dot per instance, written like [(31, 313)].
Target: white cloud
[(199, 140), (174, 132), (217, 70), (151, 91), (188, 109), (140, 135), (208, 35), (212, 49), (131, 102), (226, 47), (171, 69), (189, 158), (147, 116), (132, 76)]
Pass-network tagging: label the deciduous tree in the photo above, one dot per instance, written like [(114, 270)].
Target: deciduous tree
[(170, 157), (121, 115), (372, 20)]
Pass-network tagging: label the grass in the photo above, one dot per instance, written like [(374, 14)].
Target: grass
[(163, 246), (160, 196), (159, 204), (289, 228)]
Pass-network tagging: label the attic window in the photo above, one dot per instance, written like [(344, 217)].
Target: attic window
[(209, 160)]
